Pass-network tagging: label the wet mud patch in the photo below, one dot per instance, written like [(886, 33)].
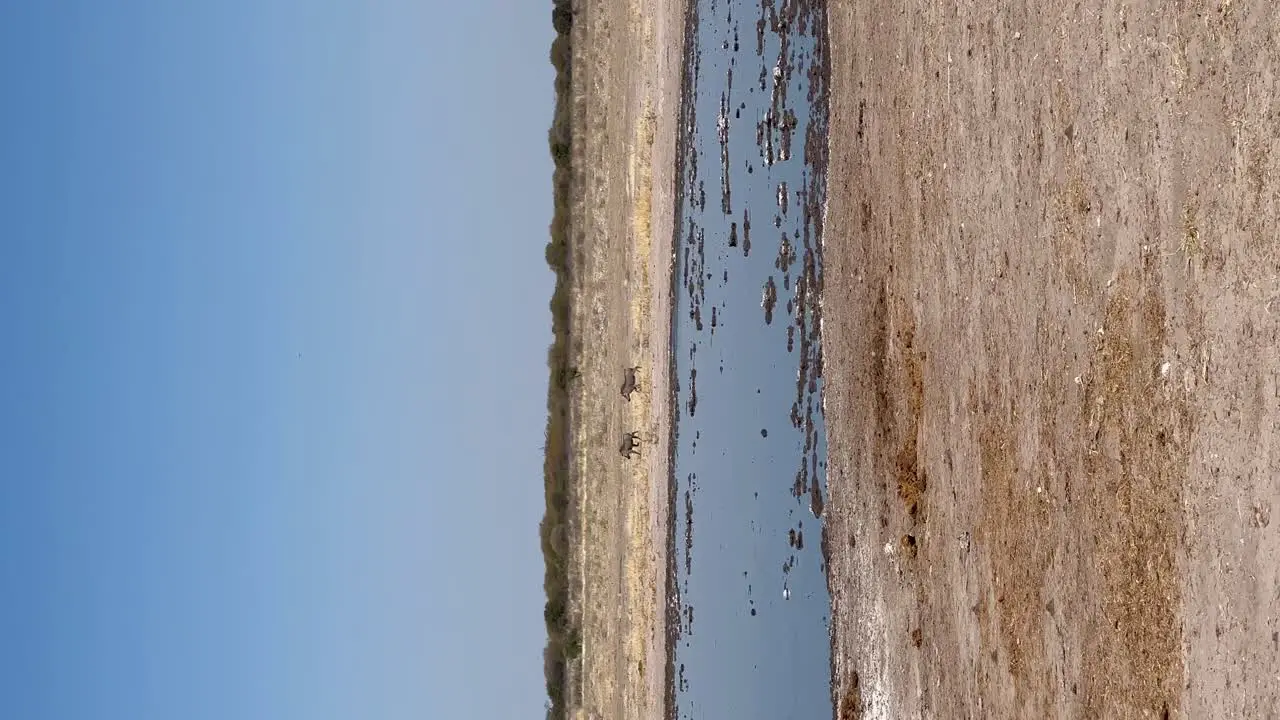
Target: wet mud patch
[(1014, 530), (1140, 427), (898, 382)]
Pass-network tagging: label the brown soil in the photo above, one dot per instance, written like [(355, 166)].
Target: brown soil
[(1051, 307)]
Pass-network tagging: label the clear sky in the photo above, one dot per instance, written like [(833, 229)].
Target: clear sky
[(274, 322)]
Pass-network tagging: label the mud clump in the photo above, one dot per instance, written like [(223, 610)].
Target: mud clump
[(851, 701), (786, 254), (910, 548), (693, 391), (912, 483), (688, 533), (769, 299), (817, 505)]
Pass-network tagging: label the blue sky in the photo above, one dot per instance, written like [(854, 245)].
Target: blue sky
[(273, 376)]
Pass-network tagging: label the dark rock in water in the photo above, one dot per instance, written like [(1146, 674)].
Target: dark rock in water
[(764, 432)]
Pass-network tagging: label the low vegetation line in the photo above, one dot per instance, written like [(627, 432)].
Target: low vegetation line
[(564, 637)]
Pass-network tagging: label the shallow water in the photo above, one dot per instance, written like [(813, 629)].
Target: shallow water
[(750, 450)]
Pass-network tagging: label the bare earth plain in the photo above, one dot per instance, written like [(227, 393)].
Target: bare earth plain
[(1050, 315), (625, 107)]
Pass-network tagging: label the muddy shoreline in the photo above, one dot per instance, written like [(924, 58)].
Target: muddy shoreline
[(684, 131), (1051, 328)]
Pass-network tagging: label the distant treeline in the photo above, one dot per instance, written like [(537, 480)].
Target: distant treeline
[(564, 637)]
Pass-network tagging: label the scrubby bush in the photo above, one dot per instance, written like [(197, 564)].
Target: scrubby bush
[(564, 638)]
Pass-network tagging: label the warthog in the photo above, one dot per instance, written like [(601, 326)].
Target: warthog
[(630, 444), (629, 383), (568, 375)]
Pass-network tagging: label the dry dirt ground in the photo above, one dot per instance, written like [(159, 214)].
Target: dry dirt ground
[(1051, 310), (626, 75)]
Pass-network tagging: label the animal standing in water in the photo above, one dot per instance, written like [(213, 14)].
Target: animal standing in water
[(629, 382), (630, 445)]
